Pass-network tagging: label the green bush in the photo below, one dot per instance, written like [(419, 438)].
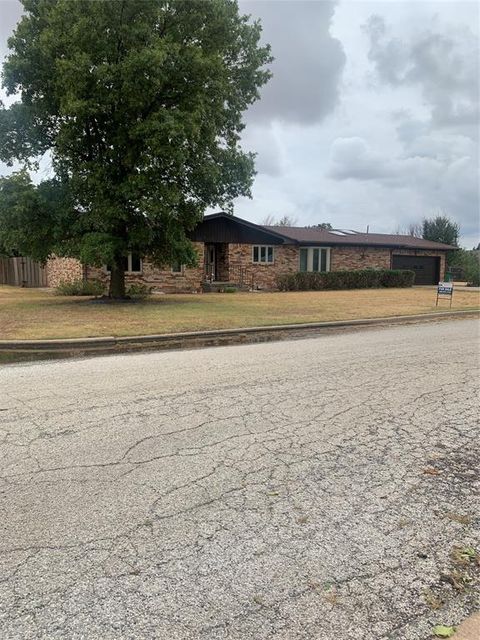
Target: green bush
[(397, 278), (472, 273), (138, 291), (230, 290), (469, 263), (80, 288), (362, 279)]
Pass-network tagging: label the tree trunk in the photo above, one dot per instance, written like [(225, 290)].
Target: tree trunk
[(117, 281)]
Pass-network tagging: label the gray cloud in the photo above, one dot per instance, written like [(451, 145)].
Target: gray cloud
[(351, 158), (308, 61), (442, 172), (444, 65)]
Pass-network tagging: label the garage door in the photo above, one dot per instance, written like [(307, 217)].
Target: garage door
[(427, 269)]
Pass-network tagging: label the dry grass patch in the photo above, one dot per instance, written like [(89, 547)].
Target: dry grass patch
[(38, 314)]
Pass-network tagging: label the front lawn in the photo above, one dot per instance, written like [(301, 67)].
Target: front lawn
[(36, 314)]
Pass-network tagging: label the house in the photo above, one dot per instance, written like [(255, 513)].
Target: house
[(235, 251)]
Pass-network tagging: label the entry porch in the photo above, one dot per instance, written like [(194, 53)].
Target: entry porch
[(221, 270)]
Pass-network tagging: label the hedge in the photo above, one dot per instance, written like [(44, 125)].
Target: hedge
[(80, 288), (362, 279)]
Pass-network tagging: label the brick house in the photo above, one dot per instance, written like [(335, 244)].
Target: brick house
[(235, 251)]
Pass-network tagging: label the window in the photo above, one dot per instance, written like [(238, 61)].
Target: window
[(131, 263), (315, 259), (262, 254), (177, 267), (135, 263)]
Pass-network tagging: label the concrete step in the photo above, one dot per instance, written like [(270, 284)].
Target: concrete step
[(218, 287)]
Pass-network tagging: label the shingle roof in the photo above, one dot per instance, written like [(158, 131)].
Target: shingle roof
[(315, 235)]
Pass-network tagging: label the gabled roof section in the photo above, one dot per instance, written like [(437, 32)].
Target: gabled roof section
[(223, 227), (273, 230)]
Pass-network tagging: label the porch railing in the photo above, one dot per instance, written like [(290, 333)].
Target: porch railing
[(241, 276), (237, 275)]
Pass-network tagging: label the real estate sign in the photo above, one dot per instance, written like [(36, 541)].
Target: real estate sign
[(445, 289)]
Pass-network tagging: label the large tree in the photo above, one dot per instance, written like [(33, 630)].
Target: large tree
[(139, 105), (441, 229)]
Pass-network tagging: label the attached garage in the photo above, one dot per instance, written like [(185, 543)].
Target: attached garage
[(427, 268)]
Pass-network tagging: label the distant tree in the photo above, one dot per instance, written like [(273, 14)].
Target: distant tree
[(471, 268), (414, 229), (441, 229), (320, 225), (33, 220), (139, 104), (269, 221), (284, 221), (469, 263)]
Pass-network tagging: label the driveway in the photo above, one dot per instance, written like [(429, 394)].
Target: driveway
[(314, 489)]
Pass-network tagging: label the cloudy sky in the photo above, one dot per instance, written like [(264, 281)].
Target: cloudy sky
[(372, 117)]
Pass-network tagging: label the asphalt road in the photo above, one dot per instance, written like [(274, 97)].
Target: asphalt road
[(315, 489)]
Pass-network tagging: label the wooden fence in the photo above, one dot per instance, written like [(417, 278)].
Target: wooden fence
[(22, 272)]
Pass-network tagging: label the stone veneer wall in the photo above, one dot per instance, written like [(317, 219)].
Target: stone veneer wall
[(164, 280), (376, 258), (63, 270), (286, 260), (345, 258)]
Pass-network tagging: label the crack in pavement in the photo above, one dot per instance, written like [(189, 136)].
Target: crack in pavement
[(273, 491)]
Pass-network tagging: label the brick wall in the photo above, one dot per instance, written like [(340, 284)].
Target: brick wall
[(63, 270), (164, 280), (286, 260), (375, 258), (359, 258)]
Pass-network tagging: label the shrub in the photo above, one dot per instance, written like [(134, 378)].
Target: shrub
[(230, 290), (469, 262), (472, 273), (361, 279), (397, 278), (80, 288), (138, 291)]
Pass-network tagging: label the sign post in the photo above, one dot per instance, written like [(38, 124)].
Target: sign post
[(445, 289)]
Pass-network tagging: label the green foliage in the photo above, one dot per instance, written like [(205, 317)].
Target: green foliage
[(465, 265), (441, 229), (80, 288), (31, 217), (230, 290), (139, 104), (362, 279), (138, 291)]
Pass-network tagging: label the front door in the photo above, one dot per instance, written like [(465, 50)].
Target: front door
[(210, 262)]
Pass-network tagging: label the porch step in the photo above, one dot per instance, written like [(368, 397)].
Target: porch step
[(218, 287)]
